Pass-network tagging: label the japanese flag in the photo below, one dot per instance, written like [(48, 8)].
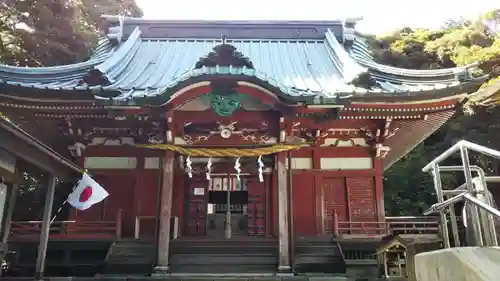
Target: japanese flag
[(87, 193)]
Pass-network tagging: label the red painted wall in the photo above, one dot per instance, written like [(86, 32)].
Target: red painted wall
[(355, 195), (315, 194), (303, 200), (134, 191)]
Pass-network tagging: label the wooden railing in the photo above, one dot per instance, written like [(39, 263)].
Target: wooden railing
[(137, 226), (392, 225), (26, 228), (21, 229)]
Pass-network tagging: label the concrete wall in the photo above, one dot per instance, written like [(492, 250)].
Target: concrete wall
[(459, 264)]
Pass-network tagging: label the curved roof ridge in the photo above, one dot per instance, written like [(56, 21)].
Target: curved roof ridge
[(349, 68), (359, 51), (121, 56), (22, 72), (103, 49), (139, 20)]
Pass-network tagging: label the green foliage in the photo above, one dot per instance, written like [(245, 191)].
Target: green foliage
[(45, 33), (458, 43), (31, 197), (53, 32), (407, 191)]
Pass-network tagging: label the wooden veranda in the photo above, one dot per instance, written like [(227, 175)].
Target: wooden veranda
[(16, 146)]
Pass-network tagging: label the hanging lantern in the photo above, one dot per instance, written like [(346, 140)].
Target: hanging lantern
[(261, 170), (189, 167), (237, 167), (209, 167)]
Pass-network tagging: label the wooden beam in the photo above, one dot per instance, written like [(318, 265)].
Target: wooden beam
[(165, 214), (44, 235), (283, 217), (11, 204), (35, 156), (379, 189), (291, 228)]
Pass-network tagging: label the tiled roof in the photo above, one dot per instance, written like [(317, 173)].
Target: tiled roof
[(301, 68), (56, 77)]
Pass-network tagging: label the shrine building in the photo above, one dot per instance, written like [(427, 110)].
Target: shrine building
[(217, 138)]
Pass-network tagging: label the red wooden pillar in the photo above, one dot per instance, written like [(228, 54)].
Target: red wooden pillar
[(319, 193), (283, 216), (165, 212), (379, 191)]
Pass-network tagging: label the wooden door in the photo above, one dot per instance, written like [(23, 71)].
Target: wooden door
[(197, 194), (256, 208), (146, 200), (304, 218), (120, 186), (361, 194), (334, 192)]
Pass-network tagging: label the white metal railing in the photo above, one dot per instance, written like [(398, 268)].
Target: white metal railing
[(439, 207), (480, 212)]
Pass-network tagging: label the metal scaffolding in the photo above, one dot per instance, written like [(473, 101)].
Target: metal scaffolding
[(480, 211)]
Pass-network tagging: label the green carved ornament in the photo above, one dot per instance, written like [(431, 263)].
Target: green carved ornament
[(225, 105)]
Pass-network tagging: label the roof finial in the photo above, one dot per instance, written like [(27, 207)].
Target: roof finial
[(121, 21), (223, 38)]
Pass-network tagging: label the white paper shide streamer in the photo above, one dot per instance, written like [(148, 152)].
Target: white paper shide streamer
[(261, 169), (209, 167), (189, 167), (237, 167)]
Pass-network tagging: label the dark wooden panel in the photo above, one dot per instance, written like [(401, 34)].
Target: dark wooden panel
[(195, 223), (147, 192), (120, 186), (362, 199), (256, 206), (303, 200), (178, 196), (334, 199)]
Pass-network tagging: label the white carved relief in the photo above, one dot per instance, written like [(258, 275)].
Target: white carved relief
[(112, 142)]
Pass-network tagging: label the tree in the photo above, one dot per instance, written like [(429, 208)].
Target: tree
[(45, 33), (54, 32), (458, 43)]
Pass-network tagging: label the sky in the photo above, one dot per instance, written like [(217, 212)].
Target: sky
[(379, 16)]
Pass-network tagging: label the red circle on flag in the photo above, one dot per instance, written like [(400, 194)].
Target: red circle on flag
[(85, 195)]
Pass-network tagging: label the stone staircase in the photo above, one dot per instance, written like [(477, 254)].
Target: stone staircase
[(318, 255), (223, 257), (246, 256), (129, 258)]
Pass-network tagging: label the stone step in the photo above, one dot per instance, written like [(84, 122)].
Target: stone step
[(213, 249), (222, 259), (223, 269), (129, 257)]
